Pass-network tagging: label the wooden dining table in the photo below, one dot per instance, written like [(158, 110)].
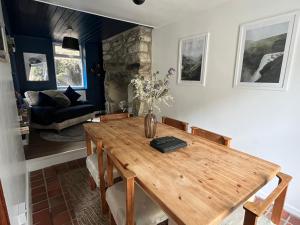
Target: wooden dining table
[(197, 185)]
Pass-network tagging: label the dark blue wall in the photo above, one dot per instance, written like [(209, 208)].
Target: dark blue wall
[(34, 45), (93, 56), (95, 84)]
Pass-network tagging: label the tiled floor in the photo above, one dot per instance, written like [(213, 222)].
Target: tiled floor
[(50, 204)]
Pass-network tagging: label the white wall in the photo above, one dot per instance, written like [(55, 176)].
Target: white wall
[(262, 123), (12, 162)]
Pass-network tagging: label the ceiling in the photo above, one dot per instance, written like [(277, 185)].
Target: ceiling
[(31, 18), (154, 13)]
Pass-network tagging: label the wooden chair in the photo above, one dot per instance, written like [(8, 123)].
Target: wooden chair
[(175, 123), (218, 138), (4, 218), (128, 204), (92, 156), (96, 160), (252, 213), (115, 116)]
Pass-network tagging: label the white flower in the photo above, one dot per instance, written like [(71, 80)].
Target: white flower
[(153, 91)]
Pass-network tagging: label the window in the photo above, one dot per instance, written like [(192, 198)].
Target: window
[(68, 67)]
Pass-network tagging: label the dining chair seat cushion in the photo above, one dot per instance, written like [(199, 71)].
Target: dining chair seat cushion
[(92, 166), (237, 218), (147, 212)]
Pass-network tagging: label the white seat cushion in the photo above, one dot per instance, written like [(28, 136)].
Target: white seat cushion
[(147, 212), (237, 218), (92, 166)]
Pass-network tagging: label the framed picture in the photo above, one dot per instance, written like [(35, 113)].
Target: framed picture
[(265, 52), (36, 67), (3, 46), (193, 59)]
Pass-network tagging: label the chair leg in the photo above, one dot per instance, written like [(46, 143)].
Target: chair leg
[(111, 219), (250, 218), (278, 207), (92, 183), (104, 206)]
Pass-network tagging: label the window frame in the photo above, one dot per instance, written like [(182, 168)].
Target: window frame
[(80, 57)]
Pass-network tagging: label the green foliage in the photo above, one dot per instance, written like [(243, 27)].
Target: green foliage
[(68, 71)]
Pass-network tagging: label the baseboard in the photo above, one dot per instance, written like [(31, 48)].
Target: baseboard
[(28, 200), (43, 162), (289, 208)]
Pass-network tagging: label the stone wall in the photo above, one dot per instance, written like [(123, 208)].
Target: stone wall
[(125, 56)]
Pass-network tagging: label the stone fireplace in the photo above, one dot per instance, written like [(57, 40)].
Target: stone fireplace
[(125, 56)]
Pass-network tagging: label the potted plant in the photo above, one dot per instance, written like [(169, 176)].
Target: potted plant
[(153, 91)]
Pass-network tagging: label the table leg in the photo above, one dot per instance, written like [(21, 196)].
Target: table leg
[(89, 147), (101, 177)]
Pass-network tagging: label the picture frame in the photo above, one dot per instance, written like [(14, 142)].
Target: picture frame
[(265, 52), (3, 45), (36, 66), (192, 60)]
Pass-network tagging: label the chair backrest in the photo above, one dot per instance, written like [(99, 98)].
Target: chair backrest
[(114, 116), (175, 123), (253, 210), (4, 219), (218, 138), (129, 180)]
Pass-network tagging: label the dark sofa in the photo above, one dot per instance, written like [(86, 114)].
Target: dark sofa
[(58, 118), (46, 115)]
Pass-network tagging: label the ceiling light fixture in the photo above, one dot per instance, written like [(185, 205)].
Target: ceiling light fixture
[(70, 42), (138, 2)]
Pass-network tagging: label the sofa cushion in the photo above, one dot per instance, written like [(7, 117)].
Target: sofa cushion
[(59, 97), (32, 97), (72, 95), (46, 100), (43, 115), (73, 112)]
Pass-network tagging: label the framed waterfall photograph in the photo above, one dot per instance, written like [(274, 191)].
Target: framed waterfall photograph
[(193, 59), (265, 52)]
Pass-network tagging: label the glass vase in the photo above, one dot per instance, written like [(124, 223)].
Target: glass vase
[(150, 124)]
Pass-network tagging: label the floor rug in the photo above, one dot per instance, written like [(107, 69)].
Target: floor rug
[(70, 134), (82, 201)]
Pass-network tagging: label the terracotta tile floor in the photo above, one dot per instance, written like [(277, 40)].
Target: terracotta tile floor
[(49, 202)]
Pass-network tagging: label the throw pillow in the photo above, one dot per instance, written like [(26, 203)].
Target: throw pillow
[(32, 97), (61, 99), (45, 100), (72, 95)]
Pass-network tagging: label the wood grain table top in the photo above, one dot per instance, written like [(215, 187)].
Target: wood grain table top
[(200, 184)]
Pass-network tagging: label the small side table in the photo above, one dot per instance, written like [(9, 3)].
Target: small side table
[(24, 131)]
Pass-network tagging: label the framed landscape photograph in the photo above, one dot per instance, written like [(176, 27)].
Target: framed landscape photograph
[(36, 66), (265, 52), (192, 59), (3, 46)]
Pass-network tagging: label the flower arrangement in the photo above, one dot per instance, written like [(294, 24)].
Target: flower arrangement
[(153, 91)]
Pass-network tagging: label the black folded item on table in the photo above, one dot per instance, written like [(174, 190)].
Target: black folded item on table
[(167, 144)]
